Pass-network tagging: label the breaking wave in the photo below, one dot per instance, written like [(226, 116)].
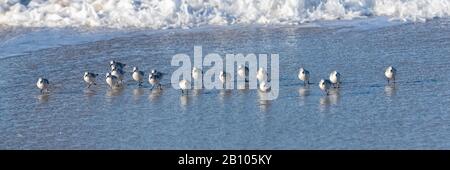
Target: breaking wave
[(163, 14)]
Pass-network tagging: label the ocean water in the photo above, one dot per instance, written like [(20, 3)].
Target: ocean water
[(365, 113)]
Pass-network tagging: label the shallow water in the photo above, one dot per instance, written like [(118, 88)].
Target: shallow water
[(365, 113)]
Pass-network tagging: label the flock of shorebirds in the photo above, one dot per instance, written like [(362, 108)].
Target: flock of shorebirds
[(115, 78)]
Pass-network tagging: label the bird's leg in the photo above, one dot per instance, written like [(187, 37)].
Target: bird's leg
[(338, 84), (140, 84), (160, 86), (152, 87), (304, 83), (41, 91), (89, 85)]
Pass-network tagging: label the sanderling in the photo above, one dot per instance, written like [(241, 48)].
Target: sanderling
[(118, 72), (224, 77), (262, 75), (197, 73), (154, 78), (264, 86), (112, 80), (138, 76), (335, 78), (42, 84), (184, 85), (303, 75), (390, 73), (116, 64), (325, 85), (243, 72), (89, 78)]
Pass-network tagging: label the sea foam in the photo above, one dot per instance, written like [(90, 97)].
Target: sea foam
[(162, 14)]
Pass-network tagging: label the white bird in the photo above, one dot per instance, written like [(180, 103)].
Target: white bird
[(116, 71), (224, 78), (184, 86), (390, 73), (112, 80), (154, 78), (42, 84), (197, 73), (264, 86), (303, 75), (138, 76), (116, 64), (335, 78), (243, 72), (325, 85), (89, 78), (262, 74)]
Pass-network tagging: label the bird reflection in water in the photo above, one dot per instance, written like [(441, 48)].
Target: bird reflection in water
[(43, 98), (184, 100), (303, 92), (390, 90), (196, 92), (224, 94), (114, 92), (243, 87), (264, 105), (330, 99), (89, 92), (155, 94), (137, 93)]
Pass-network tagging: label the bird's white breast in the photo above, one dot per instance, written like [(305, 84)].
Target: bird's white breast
[(117, 74), (324, 85), (41, 85), (262, 75), (88, 79), (196, 74), (184, 84), (264, 86), (226, 77), (389, 74), (136, 76), (153, 80), (303, 76), (111, 81), (241, 72), (334, 77)]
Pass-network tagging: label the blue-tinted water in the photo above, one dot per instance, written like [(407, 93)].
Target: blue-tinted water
[(365, 113)]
